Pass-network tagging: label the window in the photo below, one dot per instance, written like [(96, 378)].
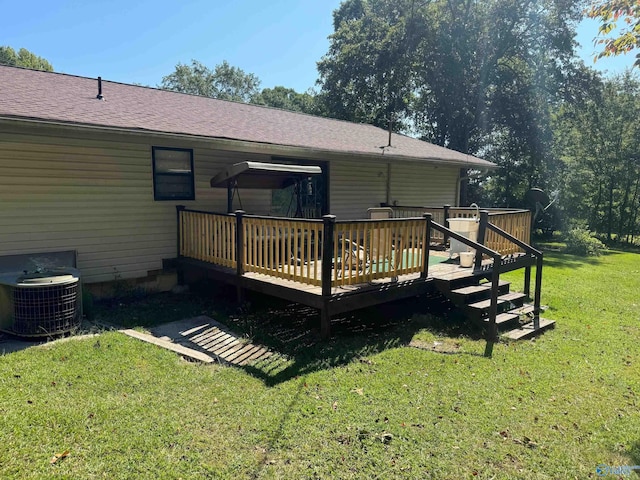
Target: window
[(173, 174)]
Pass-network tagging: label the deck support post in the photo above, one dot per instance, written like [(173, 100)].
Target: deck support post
[(427, 241), (527, 281), (482, 231), (492, 328), (239, 255), (538, 293), (180, 272), (445, 222), (329, 223)]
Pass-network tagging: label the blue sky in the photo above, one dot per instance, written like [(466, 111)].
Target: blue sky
[(142, 40)]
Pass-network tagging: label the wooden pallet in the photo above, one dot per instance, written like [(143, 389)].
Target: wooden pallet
[(206, 340)]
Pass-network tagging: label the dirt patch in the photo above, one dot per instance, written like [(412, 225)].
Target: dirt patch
[(444, 345)]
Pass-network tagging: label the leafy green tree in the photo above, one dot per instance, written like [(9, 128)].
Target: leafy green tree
[(609, 13), (477, 77), (23, 58), (286, 99), (600, 148), (224, 81), (368, 74)]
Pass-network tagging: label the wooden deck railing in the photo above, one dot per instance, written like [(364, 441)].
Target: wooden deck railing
[(366, 250), (206, 236), (293, 249), (360, 251), (514, 221), (437, 214), (283, 248)]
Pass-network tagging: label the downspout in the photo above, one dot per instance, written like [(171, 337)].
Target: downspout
[(388, 202)]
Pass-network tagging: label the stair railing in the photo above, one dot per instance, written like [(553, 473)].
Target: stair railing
[(492, 330), (529, 250)]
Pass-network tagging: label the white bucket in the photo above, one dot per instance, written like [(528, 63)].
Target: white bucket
[(466, 259)]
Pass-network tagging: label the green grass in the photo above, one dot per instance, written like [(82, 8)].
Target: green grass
[(362, 405)]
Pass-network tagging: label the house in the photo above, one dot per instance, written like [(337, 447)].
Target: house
[(132, 179), (99, 167)]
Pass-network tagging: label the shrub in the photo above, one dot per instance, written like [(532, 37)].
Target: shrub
[(581, 242)]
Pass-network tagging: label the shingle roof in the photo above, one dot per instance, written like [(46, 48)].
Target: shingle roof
[(30, 94)]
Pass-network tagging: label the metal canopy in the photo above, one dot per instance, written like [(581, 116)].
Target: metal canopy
[(262, 175)]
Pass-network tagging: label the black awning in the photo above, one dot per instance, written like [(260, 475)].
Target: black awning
[(262, 175)]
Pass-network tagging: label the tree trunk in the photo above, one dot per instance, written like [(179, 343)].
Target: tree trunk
[(596, 208), (632, 218), (610, 209), (623, 206)]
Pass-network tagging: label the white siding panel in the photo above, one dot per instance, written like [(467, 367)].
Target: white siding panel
[(355, 187), (94, 193), (423, 185)]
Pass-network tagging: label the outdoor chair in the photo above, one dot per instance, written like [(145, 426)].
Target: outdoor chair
[(352, 257)]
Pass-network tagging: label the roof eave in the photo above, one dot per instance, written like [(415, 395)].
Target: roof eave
[(257, 147)]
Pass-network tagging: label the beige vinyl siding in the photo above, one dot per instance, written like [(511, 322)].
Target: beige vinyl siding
[(63, 189), (94, 193), (423, 185), (355, 187)]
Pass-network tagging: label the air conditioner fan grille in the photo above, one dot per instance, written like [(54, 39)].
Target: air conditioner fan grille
[(45, 310)]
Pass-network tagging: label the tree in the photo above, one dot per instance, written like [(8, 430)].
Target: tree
[(23, 58), (477, 77), (286, 99), (609, 13), (600, 147), (224, 81), (367, 75)]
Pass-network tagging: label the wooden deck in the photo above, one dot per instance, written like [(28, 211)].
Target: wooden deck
[(340, 266), (343, 298)]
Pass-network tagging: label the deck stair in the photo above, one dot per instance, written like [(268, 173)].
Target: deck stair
[(472, 295)]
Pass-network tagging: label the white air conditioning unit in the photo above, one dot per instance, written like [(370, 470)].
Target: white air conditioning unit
[(40, 304)]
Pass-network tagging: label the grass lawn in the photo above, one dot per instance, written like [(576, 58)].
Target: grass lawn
[(363, 405)]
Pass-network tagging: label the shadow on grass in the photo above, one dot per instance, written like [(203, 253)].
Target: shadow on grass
[(293, 331), (156, 308), (567, 261), (634, 454)]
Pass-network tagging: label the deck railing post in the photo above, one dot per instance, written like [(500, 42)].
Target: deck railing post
[(492, 329), (427, 241), (536, 301), (179, 210), (527, 281), (239, 254), (180, 273), (328, 229), (239, 243), (445, 222), (482, 232)]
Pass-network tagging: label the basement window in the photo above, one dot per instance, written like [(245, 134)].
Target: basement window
[(173, 174)]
